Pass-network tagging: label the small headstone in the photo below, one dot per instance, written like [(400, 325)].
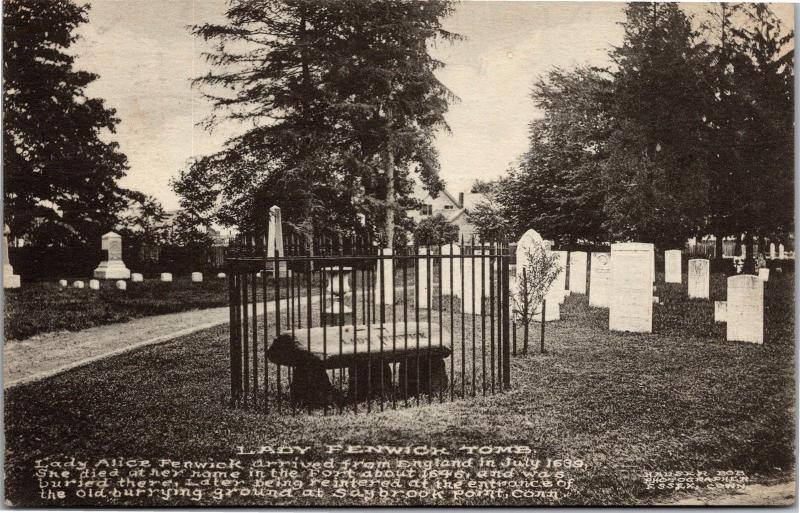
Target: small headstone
[(763, 274), (94, 284), (167, 277), (384, 290), (78, 284), (337, 285), (122, 285), (423, 290), (781, 252), (560, 283), (745, 315), (451, 270), (112, 267), (197, 277), (772, 253), (655, 300), (10, 280), (137, 277), (275, 238), (720, 311), (577, 272), (631, 301), (221, 276), (600, 280), (698, 278), (62, 283), (672, 266)]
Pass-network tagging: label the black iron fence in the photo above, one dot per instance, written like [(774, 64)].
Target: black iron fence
[(346, 326)]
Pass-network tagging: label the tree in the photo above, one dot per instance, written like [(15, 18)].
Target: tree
[(656, 186), (344, 104), (435, 231), (481, 186), (537, 273), (490, 219), (144, 221), (60, 177)]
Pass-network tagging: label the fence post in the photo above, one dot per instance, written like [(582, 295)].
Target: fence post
[(505, 309)]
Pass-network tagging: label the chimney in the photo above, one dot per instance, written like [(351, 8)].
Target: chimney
[(460, 200)]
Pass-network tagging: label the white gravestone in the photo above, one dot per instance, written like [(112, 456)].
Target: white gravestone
[(167, 277), (560, 283), (781, 251), (672, 266), (137, 277), (197, 277), (698, 276), (275, 237), (221, 275), (720, 311), (94, 284), (631, 300), (577, 272), (600, 280), (530, 243), (772, 250), (122, 285), (78, 284), (477, 292), (386, 287), (112, 267), (62, 283), (10, 280), (423, 290), (763, 274), (745, 315), (451, 269)]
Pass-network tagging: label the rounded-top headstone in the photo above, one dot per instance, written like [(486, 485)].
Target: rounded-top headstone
[(63, 283), (167, 277), (137, 277), (122, 284), (197, 277), (94, 284), (221, 275), (78, 284)]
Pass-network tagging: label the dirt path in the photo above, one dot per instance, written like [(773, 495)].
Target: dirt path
[(781, 494), (53, 353)]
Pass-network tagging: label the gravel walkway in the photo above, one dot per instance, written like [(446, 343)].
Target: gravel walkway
[(49, 354)]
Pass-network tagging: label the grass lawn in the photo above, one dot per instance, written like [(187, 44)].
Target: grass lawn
[(679, 399)]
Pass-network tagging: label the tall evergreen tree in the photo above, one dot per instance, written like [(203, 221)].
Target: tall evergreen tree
[(59, 176)]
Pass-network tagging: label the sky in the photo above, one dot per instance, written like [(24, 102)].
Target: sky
[(146, 58)]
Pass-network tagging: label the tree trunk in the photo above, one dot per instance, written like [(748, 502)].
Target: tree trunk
[(749, 260), (390, 203), (525, 329)]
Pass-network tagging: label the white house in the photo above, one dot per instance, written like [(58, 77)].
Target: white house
[(454, 208)]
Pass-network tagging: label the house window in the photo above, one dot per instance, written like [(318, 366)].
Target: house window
[(427, 210), (448, 207)]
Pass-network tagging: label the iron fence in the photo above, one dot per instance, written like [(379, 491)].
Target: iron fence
[(333, 327)]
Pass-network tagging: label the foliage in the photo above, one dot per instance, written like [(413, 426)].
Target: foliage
[(343, 101), (59, 175), (535, 276), (490, 218), (435, 231), (144, 221)]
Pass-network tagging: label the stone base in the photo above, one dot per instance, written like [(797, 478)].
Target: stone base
[(312, 387), (364, 380), (113, 270), (332, 314), (431, 378)]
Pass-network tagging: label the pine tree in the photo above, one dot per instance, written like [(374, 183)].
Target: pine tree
[(59, 176)]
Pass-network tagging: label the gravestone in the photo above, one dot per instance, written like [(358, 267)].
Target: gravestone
[(385, 287), (94, 284), (763, 274), (451, 269), (720, 311), (423, 291), (137, 277), (221, 275), (745, 309), (122, 285), (166, 277), (78, 284), (631, 299), (698, 278), (600, 280), (112, 267), (560, 283), (781, 252), (532, 243), (577, 272), (10, 280), (337, 286), (479, 291), (772, 250), (672, 266), (62, 283), (275, 238), (197, 277)]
